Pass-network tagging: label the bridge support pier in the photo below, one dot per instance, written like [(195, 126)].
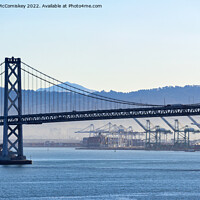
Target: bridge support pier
[(12, 133)]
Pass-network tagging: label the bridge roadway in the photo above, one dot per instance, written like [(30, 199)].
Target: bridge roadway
[(162, 111)]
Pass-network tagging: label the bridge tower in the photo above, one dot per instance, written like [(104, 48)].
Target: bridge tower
[(12, 131)]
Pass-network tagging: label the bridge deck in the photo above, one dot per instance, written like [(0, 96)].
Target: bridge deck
[(164, 111)]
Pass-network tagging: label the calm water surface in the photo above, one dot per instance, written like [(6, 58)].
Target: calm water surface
[(66, 173)]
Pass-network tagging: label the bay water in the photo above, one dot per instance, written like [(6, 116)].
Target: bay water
[(67, 173)]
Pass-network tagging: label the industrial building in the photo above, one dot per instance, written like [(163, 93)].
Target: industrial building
[(112, 136)]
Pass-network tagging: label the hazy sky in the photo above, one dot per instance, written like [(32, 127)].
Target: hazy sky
[(127, 45)]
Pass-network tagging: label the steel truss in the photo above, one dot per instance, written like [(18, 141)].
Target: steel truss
[(12, 132), (163, 111)]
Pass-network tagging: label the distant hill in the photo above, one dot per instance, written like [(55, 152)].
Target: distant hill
[(166, 95), (56, 89)]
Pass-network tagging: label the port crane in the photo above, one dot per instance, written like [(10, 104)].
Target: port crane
[(153, 135)]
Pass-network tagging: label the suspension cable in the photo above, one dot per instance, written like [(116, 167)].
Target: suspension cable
[(91, 94), (2, 63), (72, 91), (2, 73)]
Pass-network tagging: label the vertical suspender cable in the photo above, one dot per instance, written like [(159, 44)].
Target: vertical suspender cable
[(83, 103), (74, 107), (28, 93), (49, 97), (62, 100), (57, 98), (45, 98), (40, 94), (87, 103), (36, 98), (32, 93), (1, 88), (70, 100), (79, 102), (53, 95), (66, 100), (24, 92)]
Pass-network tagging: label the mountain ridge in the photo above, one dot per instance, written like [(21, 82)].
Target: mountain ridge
[(161, 95), (75, 85), (187, 94)]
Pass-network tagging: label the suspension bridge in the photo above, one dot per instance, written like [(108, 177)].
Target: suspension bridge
[(29, 96)]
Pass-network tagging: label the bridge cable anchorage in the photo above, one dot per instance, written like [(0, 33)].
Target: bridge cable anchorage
[(91, 94)]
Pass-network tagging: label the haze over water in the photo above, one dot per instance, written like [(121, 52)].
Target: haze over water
[(66, 173)]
